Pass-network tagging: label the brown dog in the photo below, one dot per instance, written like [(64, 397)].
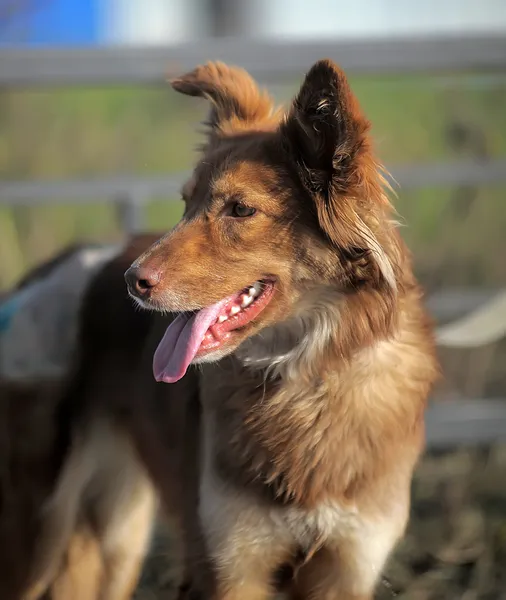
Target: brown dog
[(288, 414), (295, 297)]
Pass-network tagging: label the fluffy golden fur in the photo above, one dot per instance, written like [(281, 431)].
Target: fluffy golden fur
[(285, 457), (312, 414)]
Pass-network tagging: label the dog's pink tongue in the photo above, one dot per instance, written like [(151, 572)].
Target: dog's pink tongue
[(181, 342)]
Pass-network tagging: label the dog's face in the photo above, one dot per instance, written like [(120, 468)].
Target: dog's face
[(280, 207)]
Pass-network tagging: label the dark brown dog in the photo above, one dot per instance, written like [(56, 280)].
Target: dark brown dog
[(77, 507), (295, 296)]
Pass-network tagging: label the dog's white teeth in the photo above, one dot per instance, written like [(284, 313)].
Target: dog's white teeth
[(257, 287), (246, 300), (235, 309), (222, 318), (252, 292)]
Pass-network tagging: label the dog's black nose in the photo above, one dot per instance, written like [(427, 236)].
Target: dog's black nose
[(141, 280)]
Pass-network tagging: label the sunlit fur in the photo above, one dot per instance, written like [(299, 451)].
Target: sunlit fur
[(292, 449), (312, 417)]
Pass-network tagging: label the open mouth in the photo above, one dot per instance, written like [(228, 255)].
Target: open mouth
[(195, 334)]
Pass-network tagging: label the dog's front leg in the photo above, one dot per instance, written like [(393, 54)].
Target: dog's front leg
[(349, 567), (243, 546), (234, 574)]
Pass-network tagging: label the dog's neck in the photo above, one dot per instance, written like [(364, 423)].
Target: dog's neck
[(323, 333), (291, 403), (311, 442)]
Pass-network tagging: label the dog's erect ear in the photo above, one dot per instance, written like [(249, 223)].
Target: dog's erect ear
[(325, 129), (326, 136), (235, 96)]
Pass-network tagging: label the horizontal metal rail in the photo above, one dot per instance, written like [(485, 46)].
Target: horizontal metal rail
[(458, 303), (139, 189), (466, 173), (264, 58), (466, 423)]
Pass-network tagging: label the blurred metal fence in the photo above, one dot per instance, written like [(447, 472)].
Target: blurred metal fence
[(479, 421), (267, 60)]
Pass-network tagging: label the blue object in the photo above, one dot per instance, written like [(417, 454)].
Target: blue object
[(13, 304), (53, 23), (7, 310)]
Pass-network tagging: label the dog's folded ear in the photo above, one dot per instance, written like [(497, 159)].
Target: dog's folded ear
[(325, 129), (236, 99)]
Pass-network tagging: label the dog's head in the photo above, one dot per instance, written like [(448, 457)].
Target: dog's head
[(285, 216)]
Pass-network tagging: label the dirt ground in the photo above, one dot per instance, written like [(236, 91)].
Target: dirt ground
[(455, 546)]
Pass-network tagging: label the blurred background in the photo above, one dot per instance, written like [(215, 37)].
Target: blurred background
[(93, 143)]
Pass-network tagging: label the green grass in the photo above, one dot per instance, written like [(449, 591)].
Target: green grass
[(88, 133)]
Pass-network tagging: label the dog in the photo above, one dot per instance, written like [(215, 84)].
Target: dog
[(273, 395), (300, 347), (77, 505)]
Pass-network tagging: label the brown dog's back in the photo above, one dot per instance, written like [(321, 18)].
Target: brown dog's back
[(54, 432), (29, 467)]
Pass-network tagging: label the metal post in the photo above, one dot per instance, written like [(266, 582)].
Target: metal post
[(227, 18), (130, 211)]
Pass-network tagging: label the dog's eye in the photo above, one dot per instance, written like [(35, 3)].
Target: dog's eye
[(241, 210)]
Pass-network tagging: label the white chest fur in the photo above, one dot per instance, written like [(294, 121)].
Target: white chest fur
[(225, 511), (325, 523)]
